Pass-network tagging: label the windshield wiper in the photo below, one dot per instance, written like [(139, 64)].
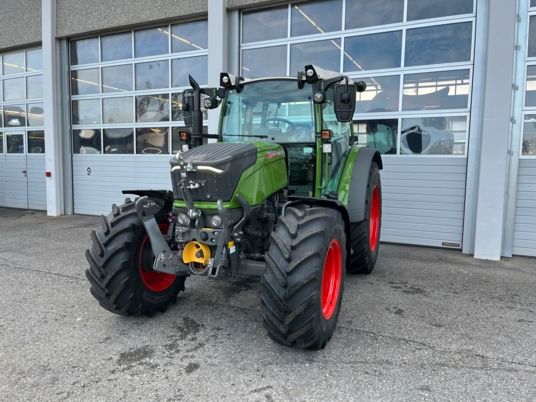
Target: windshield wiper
[(246, 135)]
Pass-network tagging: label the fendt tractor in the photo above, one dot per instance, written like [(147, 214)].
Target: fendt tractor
[(285, 193)]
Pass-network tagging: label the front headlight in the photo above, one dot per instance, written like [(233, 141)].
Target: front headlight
[(215, 221), (183, 219)]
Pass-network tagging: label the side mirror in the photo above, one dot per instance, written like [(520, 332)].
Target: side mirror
[(345, 99)]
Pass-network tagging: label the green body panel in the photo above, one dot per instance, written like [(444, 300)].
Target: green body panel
[(267, 176), (341, 183)]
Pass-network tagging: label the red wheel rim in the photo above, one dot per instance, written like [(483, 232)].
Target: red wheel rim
[(152, 280), (374, 229), (331, 279)]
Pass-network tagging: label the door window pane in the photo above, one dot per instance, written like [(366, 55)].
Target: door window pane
[(436, 90), (87, 141), (316, 17), (118, 141), (367, 13), (371, 52), (85, 51), (529, 135), (34, 86), (117, 110), (151, 108), (439, 44), (152, 75), (35, 114), (381, 95), (421, 9), (84, 82), (14, 89), (532, 37), (13, 63), (181, 68), (265, 24), (34, 60), (324, 54), (117, 79), (380, 134), (14, 116), (433, 135), (254, 62), (116, 47), (15, 143), (152, 140), (189, 36), (530, 90), (86, 111), (1, 143), (36, 142), (150, 42)]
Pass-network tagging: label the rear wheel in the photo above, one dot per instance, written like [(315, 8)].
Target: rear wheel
[(304, 278), (121, 266), (365, 235)]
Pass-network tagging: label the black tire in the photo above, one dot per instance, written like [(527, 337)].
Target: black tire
[(363, 255), (292, 282), (119, 260)]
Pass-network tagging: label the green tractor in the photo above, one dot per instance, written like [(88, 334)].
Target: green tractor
[(286, 193)]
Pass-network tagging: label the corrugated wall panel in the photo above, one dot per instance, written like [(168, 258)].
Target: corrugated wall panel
[(525, 220), (423, 200), (2, 180), (37, 188), (16, 184), (94, 193)]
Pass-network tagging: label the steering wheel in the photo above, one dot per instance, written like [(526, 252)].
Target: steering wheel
[(279, 120), (296, 132)]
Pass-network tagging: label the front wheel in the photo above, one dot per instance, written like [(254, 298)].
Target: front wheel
[(304, 277), (120, 266), (365, 235)]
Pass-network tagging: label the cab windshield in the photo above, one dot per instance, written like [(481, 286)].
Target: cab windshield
[(269, 110)]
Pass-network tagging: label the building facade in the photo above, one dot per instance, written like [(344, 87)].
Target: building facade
[(90, 95)]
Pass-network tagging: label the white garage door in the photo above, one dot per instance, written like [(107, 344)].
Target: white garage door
[(126, 98), (417, 59)]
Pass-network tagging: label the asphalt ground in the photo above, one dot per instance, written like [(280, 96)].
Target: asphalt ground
[(427, 324)]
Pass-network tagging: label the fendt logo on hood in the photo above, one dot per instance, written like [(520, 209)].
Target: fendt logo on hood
[(274, 154)]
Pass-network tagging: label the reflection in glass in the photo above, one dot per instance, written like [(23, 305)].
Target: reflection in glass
[(1, 143), (265, 24), (116, 47), (152, 140), (118, 141), (177, 113), (433, 135), (181, 68), (371, 52), (117, 78), (36, 142), (150, 42), (35, 114), (150, 108), (86, 111), (14, 89), (152, 75), (366, 13), (439, 44), (13, 63), (85, 51), (380, 134), (34, 86), (316, 17), (14, 116), (117, 110), (189, 36), (176, 143), (422, 9), (254, 62), (381, 95), (87, 141), (436, 90), (84, 82), (530, 89), (14, 143), (324, 54), (529, 135), (34, 60), (532, 37)]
